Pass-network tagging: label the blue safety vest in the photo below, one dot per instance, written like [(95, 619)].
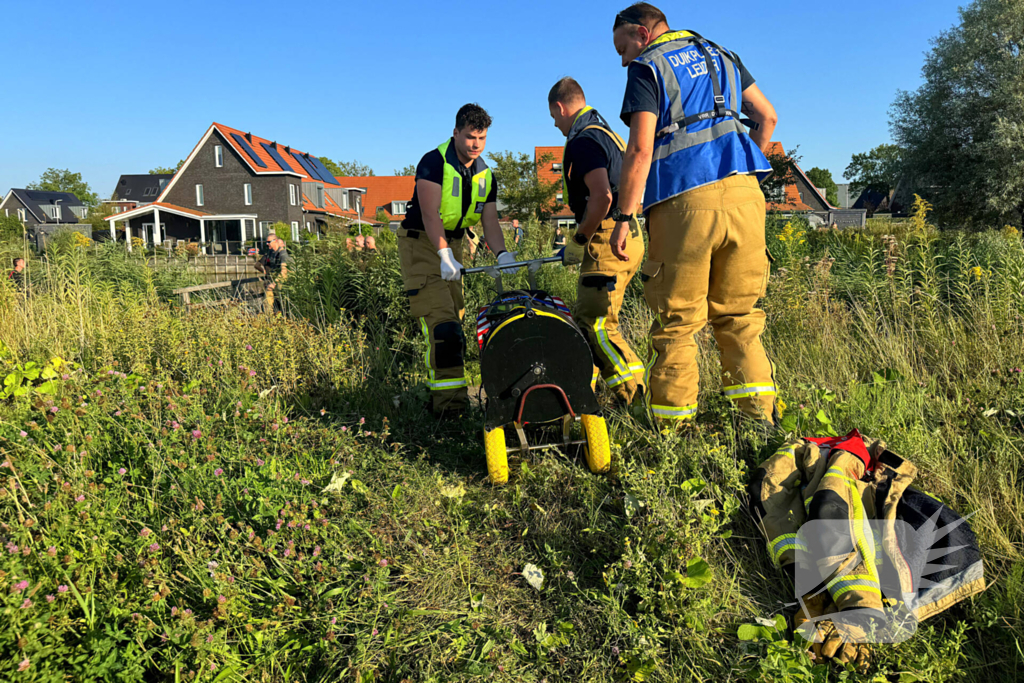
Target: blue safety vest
[(700, 138)]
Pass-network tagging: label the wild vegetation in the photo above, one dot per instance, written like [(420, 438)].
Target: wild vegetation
[(218, 496)]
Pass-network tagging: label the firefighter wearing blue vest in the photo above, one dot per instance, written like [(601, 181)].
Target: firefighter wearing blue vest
[(698, 170), (591, 164), (455, 191)]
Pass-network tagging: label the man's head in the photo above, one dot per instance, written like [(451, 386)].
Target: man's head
[(19, 264), (471, 124), (565, 99), (635, 28)]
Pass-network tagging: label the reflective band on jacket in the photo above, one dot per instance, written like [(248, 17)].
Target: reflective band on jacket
[(617, 361), (451, 191), (673, 413), (747, 390), (705, 142), (847, 583), (783, 543), (432, 382)]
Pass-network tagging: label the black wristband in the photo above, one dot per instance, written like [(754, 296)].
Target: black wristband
[(503, 251), (577, 240)]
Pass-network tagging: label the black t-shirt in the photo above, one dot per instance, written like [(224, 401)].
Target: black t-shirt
[(17, 278), (583, 155), (431, 167), (273, 260), (643, 92)]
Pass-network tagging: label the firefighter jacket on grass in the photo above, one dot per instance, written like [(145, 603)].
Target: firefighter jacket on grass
[(841, 512)]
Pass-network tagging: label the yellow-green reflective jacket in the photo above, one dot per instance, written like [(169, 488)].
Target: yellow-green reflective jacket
[(451, 190)]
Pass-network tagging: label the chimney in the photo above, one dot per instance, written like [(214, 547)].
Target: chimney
[(288, 149), (248, 136), (274, 144)]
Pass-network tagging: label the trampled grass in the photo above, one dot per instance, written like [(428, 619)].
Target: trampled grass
[(218, 496)]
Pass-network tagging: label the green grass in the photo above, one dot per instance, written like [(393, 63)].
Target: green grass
[(220, 554)]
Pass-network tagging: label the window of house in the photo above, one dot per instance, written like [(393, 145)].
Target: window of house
[(127, 191), (291, 194), (320, 196), (776, 194), (21, 215), (199, 195), (398, 208), (344, 201), (80, 211), (248, 194), (265, 228), (53, 211), (295, 231), (556, 168), (218, 156), (308, 228), (558, 196)]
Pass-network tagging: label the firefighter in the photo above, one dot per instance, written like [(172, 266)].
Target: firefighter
[(455, 191), (274, 267), (697, 169), (591, 163)]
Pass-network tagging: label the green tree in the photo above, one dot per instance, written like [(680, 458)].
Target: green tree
[(63, 180), (963, 129), (409, 170), (164, 170), (878, 170), (520, 188), (822, 177), (345, 169), (11, 227)]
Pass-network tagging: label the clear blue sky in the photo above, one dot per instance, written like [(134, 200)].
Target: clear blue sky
[(112, 88)]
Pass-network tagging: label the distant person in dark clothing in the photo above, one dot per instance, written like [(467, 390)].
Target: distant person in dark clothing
[(559, 241), (274, 267), (17, 276)]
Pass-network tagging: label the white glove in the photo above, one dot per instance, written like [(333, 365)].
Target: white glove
[(451, 270), (506, 257)]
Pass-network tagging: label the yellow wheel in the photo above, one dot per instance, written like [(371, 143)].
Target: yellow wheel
[(598, 449), (497, 455)]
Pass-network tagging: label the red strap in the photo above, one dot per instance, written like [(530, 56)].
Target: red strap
[(852, 443)]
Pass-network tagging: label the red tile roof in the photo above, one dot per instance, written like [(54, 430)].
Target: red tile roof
[(793, 200), (257, 147), (547, 174), (380, 192), (160, 205)]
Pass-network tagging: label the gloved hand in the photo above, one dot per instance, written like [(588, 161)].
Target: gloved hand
[(575, 249), (506, 257), (451, 270), (843, 642)]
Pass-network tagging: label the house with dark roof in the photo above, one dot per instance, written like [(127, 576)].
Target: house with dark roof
[(136, 190), (388, 194), (39, 207), (231, 188)]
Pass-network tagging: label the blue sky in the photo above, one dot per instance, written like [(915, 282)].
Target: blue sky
[(115, 88)]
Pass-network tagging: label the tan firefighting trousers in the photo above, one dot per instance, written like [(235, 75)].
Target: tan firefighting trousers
[(707, 261), (599, 295), (438, 307)]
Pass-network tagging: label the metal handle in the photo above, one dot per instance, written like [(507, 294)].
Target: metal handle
[(511, 266)]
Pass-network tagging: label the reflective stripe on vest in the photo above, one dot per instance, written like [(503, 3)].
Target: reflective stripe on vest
[(700, 138), (451, 193)]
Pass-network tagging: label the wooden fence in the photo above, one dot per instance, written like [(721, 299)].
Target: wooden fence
[(210, 268)]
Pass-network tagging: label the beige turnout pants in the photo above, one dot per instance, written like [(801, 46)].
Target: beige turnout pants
[(438, 307), (707, 262), (599, 295)]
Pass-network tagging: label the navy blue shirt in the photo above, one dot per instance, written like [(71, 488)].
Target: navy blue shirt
[(431, 167)]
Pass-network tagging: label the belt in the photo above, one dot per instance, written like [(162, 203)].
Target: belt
[(448, 234)]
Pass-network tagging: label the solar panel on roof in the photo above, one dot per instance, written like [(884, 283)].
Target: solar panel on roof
[(324, 173), (248, 150), (304, 162), (276, 157)]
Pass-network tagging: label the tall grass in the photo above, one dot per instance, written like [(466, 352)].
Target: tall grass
[(357, 539)]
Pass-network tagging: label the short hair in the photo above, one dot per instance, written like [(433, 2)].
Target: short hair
[(640, 14), (16, 259), (566, 91), (472, 116)]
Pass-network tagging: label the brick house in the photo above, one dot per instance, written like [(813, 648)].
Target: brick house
[(390, 194), (800, 196), (551, 172), (232, 187)]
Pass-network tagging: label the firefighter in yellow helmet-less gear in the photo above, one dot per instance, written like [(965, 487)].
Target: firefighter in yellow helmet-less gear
[(455, 191), (697, 168), (591, 163)]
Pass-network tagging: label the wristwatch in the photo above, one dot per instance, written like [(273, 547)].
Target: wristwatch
[(580, 238), (620, 217)]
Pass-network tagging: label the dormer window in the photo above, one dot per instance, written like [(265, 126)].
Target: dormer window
[(556, 168), (558, 196), (398, 208), (344, 201)]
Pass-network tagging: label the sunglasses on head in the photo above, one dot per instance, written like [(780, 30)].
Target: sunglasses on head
[(635, 21)]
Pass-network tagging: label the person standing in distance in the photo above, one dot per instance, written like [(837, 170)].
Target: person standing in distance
[(455, 191), (698, 169), (591, 163)]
